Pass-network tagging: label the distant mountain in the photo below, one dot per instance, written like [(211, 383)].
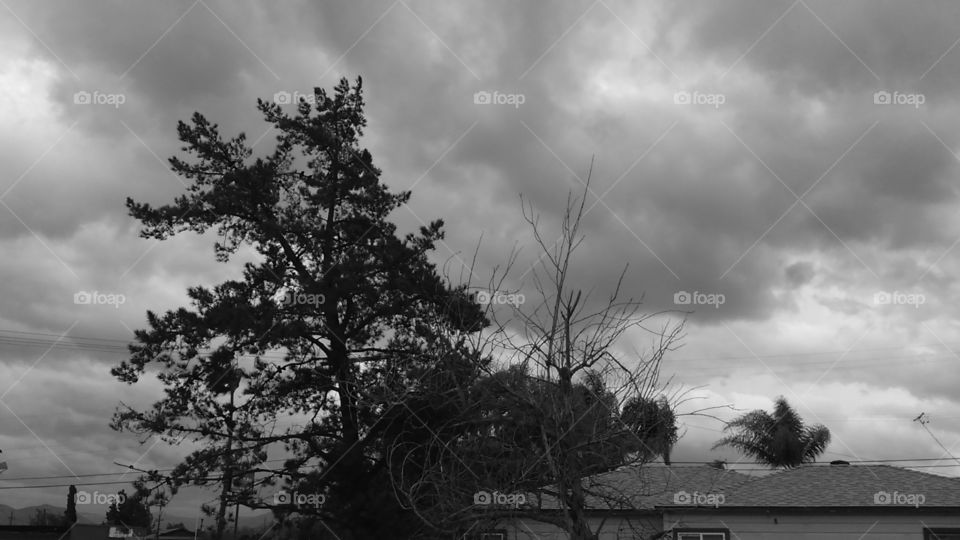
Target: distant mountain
[(22, 516), (246, 521)]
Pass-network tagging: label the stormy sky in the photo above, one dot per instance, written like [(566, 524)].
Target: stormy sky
[(784, 174)]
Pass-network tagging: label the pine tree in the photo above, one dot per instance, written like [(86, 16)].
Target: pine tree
[(335, 308)]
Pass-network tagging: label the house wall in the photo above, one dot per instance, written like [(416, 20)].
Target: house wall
[(787, 526), (612, 528), (795, 526)]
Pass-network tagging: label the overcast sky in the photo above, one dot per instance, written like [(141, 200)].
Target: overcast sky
[(791, 166)]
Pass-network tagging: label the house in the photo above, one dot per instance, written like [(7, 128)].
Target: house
[(835, 502), (178, 533), (830, 501), (80, 531)]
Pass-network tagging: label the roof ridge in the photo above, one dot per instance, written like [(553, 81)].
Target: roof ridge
[(867, 466)]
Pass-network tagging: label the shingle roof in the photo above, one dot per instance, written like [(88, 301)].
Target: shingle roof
[(809, 486), (846, 486), (651, 486)]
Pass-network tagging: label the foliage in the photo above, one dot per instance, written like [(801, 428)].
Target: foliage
[(70, 515), (334, 309), (779, 440), (565, 408), (132, 511)]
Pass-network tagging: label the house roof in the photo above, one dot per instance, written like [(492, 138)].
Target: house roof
[(177, 532), (847, 486), (811, 486), (651, 486)]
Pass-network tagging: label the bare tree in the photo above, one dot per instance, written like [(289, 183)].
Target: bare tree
[(562, 408)]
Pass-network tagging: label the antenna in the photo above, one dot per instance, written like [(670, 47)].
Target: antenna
[(922, 419)]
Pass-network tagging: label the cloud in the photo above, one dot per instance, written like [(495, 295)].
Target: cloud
[(798, 198)]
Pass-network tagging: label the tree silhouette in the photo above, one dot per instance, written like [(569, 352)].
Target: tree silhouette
[(566, 410), (653, 424), (71, 512), (780, 440), (130, 512), (336, 307)]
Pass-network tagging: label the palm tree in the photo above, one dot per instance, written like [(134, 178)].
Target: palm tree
[(778, 440), (653, 424)]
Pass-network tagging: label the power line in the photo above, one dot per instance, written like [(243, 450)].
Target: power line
[(923, 422), (61, 337), (838, 364), (811, 353), (730, 468), (88, 475), (67, 485), (112, 345), (851, 461), (89, 344)]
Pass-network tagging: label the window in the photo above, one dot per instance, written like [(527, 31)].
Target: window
[(485, 534), (941, 534), (702, 534)]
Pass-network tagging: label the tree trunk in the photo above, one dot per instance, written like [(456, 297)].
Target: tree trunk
[(227, 476)]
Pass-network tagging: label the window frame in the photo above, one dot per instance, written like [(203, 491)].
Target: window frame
[(477, 534), (701, 531)]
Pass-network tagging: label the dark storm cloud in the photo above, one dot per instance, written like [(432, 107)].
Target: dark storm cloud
[(695, 199), (687, 196), (799, 273), (167, 54), (818, 46)]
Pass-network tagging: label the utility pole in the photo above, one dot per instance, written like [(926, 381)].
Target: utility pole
[(236, 519), (242, 484), (159, 515), (229, 469)]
